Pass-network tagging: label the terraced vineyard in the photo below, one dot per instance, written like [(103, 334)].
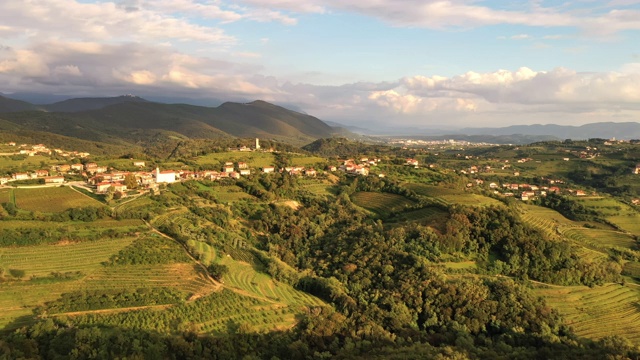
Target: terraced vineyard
[(452, 196), (52, 199), (41, 260), (72, 261), (243, 276), (598, 312), (618, 213), (381, 203), (602, 238)]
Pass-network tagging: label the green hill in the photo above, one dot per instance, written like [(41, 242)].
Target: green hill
[(84, 104), (11, 105), (135, 120)]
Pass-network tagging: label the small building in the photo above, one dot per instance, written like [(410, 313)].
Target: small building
[(20, 176), (411, 162), (77, 167), (54, 180)]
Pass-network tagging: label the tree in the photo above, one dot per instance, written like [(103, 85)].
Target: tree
[(130, 181)]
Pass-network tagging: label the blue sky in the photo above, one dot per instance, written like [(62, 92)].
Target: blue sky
[(386, 63)]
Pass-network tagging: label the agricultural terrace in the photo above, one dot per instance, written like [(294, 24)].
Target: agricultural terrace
[(36, 274), (453, 196), (597, 312), (382, 204), (254, 159), (225, 193), (620, 214), (221, 312), (52, 199)]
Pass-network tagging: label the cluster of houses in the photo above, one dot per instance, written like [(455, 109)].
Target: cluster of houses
[(40, 149), (527, 192)]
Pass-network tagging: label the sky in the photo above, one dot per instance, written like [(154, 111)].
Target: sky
[(374, 63)]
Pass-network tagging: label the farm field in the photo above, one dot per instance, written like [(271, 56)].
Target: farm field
[(74, 261), (597, 312), (618, 213), (52, 199), (253, 159), (381, 203), (452, 195), (28, 163), (6, 196), (244, 276)]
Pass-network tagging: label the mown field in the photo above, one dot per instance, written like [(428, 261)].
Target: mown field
[(597, 312), (382, 204), (52, 199)]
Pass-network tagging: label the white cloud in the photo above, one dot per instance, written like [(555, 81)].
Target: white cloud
[(439, 14)]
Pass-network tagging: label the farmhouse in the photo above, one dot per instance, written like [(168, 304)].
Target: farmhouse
[(54, 180), (412, 162), (20, 176)]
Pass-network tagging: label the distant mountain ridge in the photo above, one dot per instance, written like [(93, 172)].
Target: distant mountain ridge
[(605, 130), (134, 119)]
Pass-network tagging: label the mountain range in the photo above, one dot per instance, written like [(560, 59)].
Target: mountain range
[(130, 120)]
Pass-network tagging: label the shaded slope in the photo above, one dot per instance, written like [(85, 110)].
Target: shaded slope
[(11, 105), (84, 104)]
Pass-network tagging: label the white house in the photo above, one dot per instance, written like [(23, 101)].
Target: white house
[(167, 176)]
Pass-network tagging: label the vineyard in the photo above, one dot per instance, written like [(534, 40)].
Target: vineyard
[(53, 199), (243, 276), (381, 203), (597, 312)]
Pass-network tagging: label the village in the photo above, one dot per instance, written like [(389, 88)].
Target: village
[(102, 179)]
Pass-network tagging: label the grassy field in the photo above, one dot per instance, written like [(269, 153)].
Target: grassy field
[(381, 203), (253, 159), (29, 163), (307, 161), (597, 312), (6, 196), (52, 199)]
